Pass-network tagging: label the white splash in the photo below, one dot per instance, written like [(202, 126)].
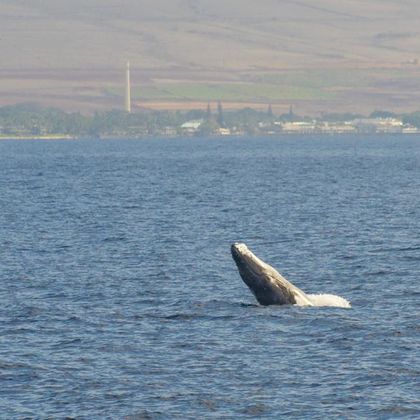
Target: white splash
[(329, 300)]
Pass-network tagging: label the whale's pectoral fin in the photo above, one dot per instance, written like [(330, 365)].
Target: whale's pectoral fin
[(279, 287)]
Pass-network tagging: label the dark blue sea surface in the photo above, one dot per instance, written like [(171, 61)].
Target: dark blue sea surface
[(119, 297)]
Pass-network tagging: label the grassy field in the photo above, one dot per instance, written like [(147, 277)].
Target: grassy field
[(297, 85), (321, 79), (263, 91)]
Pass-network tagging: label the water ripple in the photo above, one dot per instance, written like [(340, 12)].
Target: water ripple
[(120, 299)]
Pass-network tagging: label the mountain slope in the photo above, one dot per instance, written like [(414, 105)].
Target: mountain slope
[(79, 48)]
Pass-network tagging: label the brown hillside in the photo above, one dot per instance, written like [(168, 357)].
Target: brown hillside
[(324, 55)]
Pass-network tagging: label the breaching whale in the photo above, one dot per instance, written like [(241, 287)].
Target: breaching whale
[(271, 288)]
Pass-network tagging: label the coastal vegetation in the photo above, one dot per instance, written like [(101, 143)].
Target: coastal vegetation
[(30, 120)]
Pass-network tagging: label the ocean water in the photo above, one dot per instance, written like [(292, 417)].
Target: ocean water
[(119, 297)]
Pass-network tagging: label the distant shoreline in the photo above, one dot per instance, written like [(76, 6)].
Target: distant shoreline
[(49, 137), (33, 122), (105, 138)]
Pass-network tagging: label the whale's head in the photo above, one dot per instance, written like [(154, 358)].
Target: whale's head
[(268, 286), (249, 265)]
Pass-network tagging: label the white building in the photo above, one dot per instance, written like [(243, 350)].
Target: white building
[(191, 127)]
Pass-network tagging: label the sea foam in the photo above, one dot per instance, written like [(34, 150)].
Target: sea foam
[(329, 300)]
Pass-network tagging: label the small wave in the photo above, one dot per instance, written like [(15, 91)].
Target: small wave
[(114, 239), (376, 273), (217, 304), (143, 415), (412, 258), (186, 317), (181, 316), (408, 248), (249, 305), (395, 249), (329, 300), (399, 410), (66, 343)]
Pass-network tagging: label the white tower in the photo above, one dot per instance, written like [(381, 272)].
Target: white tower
[(127, 89)]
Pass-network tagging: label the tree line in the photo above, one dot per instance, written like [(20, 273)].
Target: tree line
[(36, 120)]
